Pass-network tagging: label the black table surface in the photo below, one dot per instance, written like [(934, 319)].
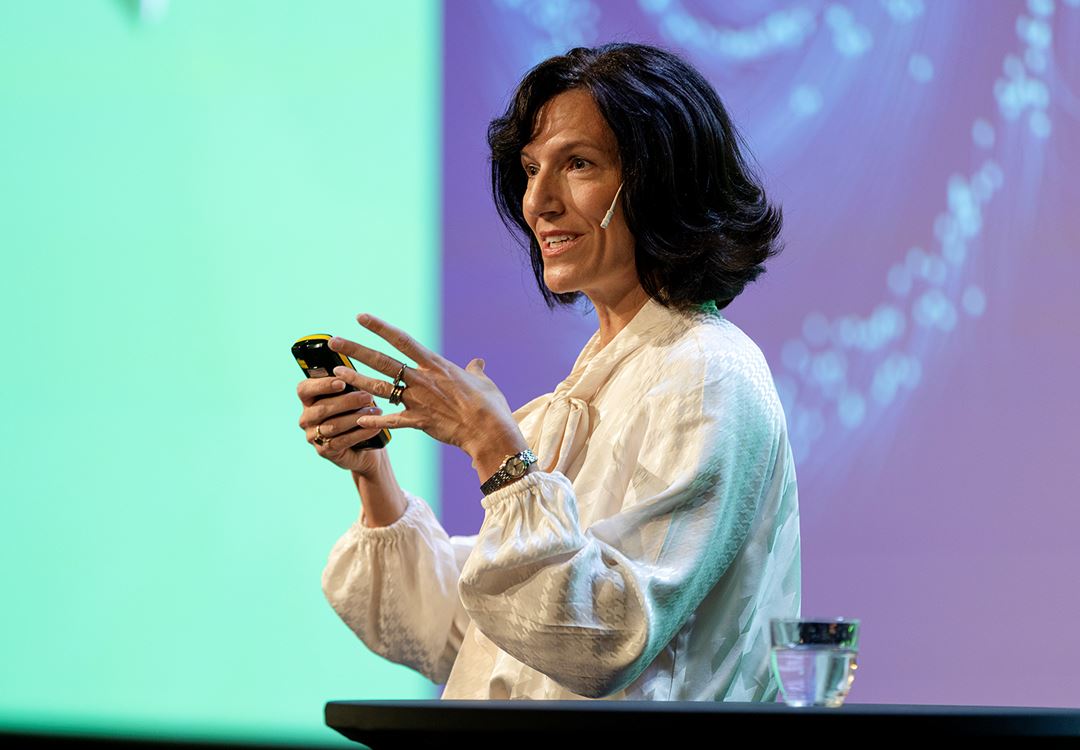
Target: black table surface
[(385, 725)]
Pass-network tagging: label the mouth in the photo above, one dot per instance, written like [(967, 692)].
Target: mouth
[(557, 244)]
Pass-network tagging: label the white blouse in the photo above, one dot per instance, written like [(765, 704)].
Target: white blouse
[(644, 560)]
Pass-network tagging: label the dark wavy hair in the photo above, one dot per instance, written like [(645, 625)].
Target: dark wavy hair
[(702, 225)]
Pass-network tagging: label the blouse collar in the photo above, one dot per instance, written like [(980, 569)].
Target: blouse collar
[(594, 365)]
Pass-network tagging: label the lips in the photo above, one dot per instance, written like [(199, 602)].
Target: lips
[(555, 243)]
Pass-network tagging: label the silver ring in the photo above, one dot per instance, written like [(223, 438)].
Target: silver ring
[(319, 436)]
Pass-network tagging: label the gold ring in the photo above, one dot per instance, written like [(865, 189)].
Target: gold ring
[(396, 393), (319, 437), (399, 387)]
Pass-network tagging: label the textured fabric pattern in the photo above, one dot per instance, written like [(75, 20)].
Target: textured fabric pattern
[(643, 561)]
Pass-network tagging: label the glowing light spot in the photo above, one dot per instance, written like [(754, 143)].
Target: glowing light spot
[(838, 16), (883, 386), (851, 408), (933, 269), (886, 323), (964, 207), (853, 42), (954, 252), (982, 132), (946, 229), (795, 355), (816, 329), (934, 310), (909, 371), (914, 259), (847, 332), (805, 101), (982, 187), (779, 30), (920, 68), (903, 11), (1039, 124), (973, 301), (810, 423), (993, 172), (1041, 7), (1035, 32), (899, 280), (828, 368), (849, 38)]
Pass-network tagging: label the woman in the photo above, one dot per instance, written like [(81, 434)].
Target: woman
[(641, 521)]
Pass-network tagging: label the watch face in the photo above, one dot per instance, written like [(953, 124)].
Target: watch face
[(515, 467)]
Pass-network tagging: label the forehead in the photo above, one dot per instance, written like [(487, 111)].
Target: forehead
[(571, 117)]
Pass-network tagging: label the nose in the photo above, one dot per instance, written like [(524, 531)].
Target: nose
[(543, 196)]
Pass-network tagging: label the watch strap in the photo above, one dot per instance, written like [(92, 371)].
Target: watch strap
[(513, 467)]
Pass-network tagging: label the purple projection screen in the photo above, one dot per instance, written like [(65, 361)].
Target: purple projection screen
[(920, 325)]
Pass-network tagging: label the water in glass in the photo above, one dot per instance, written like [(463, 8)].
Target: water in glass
[(814, 675)]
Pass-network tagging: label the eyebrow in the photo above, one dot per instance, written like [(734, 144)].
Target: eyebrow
[(568, 146)]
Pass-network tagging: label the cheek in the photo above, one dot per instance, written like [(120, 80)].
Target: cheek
[(624, 241), (591, 201)]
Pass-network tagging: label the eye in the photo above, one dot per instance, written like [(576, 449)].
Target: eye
[(530, 169), (578, 163)]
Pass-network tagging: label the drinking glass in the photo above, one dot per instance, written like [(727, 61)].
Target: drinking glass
[(813, 661)]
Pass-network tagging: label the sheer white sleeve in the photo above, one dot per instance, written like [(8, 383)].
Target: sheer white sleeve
[(396, 587)]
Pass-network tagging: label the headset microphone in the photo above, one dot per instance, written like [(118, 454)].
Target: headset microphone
[(611, 211)]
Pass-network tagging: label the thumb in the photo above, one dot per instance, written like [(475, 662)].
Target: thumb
[(476, 367)]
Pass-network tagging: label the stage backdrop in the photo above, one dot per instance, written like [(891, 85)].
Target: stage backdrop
[(920, 325), (187, 188)]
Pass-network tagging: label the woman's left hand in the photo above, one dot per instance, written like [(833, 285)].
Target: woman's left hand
[(457, 406)]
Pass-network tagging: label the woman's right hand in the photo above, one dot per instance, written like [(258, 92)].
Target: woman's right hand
[(335, 417)]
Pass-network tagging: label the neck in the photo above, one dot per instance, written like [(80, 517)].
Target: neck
[(613, 315)]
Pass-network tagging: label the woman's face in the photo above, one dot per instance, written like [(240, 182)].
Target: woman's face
[(573, 172)]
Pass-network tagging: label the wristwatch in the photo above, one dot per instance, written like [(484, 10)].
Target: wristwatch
[(513, 467)]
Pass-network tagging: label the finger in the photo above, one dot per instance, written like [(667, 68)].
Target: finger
[(333, 406), (342, 423), (400, 340), (373, 358), (310, 389), (391, 421), (357, 434), (363, 382), (339, 441)]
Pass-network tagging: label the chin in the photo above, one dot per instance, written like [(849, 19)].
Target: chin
[(559, 286)]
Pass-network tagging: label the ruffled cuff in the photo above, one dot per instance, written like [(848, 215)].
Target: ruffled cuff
[(412, 518), (524, 487)]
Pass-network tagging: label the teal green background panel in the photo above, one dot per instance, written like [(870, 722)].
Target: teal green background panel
[(183, 197)]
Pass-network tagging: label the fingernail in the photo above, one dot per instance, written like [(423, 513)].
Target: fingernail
[(336, 341), (364, 318), (339, 370), (338, 385)]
